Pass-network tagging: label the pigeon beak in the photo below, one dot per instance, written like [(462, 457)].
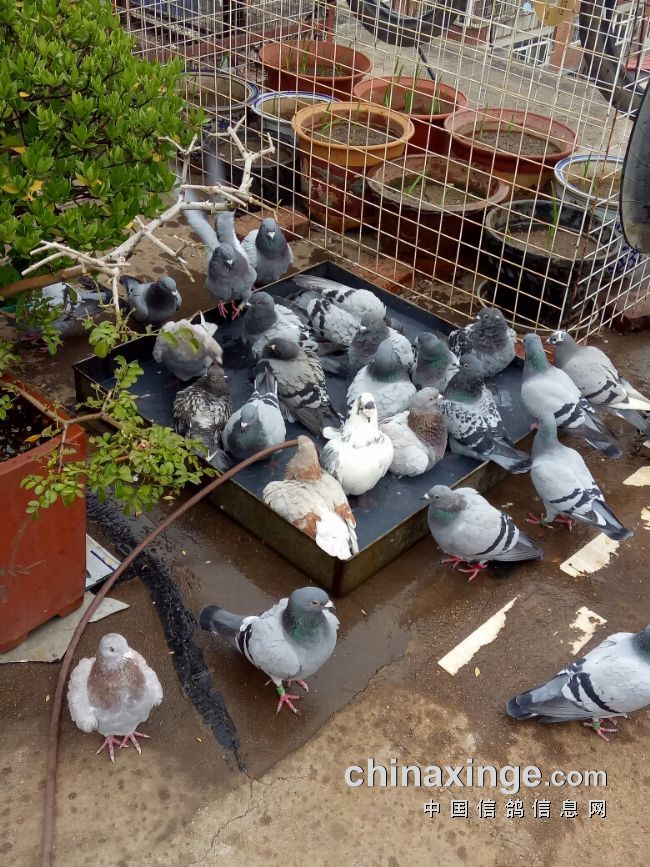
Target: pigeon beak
[(243, 425), (363, 328), (271, 235), (368, 409), (425, 497), (128, 654), (329, 604), (229, 263)]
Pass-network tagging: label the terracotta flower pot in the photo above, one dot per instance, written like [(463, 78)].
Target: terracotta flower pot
[(426, 102), (518, 146), (313, 67), (42, 560), (442, 226), (333, 171)]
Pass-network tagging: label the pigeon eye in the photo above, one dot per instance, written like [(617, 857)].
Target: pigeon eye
[(111, 650)]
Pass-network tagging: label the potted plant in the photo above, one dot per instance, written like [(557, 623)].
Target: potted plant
[(276, 109), (432, 209), (426, 102), (545, 258), (339, 143), (521, 147), (313, 67)]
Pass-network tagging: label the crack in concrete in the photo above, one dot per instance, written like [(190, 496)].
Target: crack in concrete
[(232, 820)]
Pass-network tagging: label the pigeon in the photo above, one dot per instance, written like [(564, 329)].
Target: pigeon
[(359, 454), (187, 349), (546, 388), (268, 252), (290, 641), (372, 331), (418, 435), (152, 303), (386, 379), (301, 385), (330, 321), (314, 502), (202, 409), (490, 339), (598, 380), (473, 532), (611, 680), (435, 364), (74, 304), (474, 423), (265, 321), (566, 486), (259, 423), (358, 302), (113, 693)]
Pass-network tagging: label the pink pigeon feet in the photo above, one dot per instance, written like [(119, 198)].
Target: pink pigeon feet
[(600, 731), (109, 742), (285, 698), (543, 522), (300, 683), (133, 739), (221, 307), (236, 310), (472, 568)]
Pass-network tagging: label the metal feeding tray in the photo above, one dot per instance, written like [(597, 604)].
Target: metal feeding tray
[(390, 518)]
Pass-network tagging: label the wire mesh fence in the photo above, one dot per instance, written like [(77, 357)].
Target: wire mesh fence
[(471, 150)]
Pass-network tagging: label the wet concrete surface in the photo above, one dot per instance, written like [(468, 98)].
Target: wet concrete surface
[(383, 694)]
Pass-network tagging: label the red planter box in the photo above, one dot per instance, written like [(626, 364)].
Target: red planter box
[(43, 560)]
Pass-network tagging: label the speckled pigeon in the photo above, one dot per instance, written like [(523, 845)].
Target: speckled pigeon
[(489, 339), (358, 302), (202, 409)]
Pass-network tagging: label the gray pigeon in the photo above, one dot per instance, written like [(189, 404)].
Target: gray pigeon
[(473, 532), (202, 409), (290, 641), (152, 303), (474, 423), (490, 339), (547, 389), (386, 379), (265, 321), (566, 486), (186, 348), (268, 252), (418, 435), (598, 380), (611, 680), (435, 364), (113, 693), (301, 385), (358, 302), (371, 333), (359, 454), (314, 502), (226, 234), (259, 423), (75, 305), (328, 320)]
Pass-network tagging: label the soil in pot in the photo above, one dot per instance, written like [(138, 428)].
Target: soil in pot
[(22, 430), (553, 240), (596, 179), (284, 107), (516, 141), (435, 192), (353, 133)]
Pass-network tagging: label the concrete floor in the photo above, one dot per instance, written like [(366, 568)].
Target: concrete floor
[(280, 797)]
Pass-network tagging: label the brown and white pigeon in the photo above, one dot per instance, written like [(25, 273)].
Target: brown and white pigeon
[(113, 693), (418, 435)]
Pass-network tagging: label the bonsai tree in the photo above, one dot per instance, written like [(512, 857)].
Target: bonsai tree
[(87, 132)]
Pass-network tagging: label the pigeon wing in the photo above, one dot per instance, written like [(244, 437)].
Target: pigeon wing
[(81, 710)]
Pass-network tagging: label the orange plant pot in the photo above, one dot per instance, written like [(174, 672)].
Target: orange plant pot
[(42, 560), (313, 67)]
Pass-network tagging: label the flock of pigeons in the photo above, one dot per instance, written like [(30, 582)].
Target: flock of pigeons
[(406, 405)]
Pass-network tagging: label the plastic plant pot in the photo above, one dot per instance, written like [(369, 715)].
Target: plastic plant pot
[(275, 111), (313, 67)]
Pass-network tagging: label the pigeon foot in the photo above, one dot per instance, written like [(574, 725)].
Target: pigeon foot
[(600, 731), (109, 742), (133, 739), (221, 307), (300, 683), (236, 310), (472, 569), (285, 698)]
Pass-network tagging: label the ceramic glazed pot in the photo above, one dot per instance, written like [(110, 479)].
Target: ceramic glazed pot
[(275, 111), (275, 178), (313, 67), (219, 93)]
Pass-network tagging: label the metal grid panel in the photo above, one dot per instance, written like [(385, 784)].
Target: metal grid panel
[(498, 55)]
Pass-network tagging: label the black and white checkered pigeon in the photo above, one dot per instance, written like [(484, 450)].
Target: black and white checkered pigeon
[(435, 364), (202, 409), (474, 424), (152, 303), (75, 303), (301, 385), (327, 319), (268, 251), (546, 388), (387, 379), (611, 680), (567, 488), (266, 321), (289, 642), (371, 332), (357, 302), (489, 339), (418, 435), (473, 532), (187, 349), (599, 381), (258, 424)]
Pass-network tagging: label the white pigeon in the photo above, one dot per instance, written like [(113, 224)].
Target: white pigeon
[(113, 693), (187, 349), (358, 454), (611, 680)]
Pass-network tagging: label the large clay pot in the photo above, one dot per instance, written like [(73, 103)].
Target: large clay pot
[(549, 141), (313, 67), (333, 171), (426, 102), (440, 235), (42, 560)]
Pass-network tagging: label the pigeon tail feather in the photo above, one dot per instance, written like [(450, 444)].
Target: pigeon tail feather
[(221, 622)]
